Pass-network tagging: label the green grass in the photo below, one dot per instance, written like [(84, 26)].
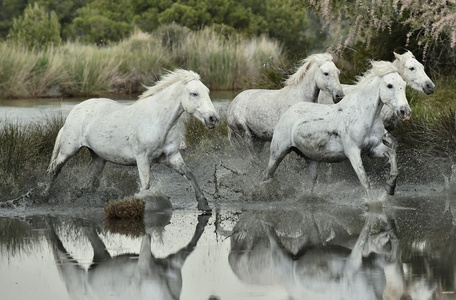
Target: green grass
[(75, 69), (431, 130)]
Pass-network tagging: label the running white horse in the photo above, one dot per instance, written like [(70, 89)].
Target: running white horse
[(253, 114), (411, 70), (336, 132), (138, 134)]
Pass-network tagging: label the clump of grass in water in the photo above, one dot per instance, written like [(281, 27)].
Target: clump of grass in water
[(129, 208)]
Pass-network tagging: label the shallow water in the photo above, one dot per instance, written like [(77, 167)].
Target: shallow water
[(274, 241), (23, 111), (285, 250)]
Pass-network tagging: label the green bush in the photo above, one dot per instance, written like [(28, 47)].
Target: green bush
[(36, 28)]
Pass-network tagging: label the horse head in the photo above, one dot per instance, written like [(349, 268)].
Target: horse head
[(392, 89), (412, 71), (196, 101), (327, 79)]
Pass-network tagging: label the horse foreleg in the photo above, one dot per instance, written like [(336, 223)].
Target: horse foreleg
[(176, 162), (354, 155), (390, 153), (143, 165), (389, 140)]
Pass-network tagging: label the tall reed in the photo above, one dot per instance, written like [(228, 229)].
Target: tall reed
[(74, 69)]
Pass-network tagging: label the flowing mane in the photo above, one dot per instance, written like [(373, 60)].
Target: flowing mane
[(379, 69), (169, 79), (318, 59)]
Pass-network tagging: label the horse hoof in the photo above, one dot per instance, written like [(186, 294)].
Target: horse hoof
[(390, 189)]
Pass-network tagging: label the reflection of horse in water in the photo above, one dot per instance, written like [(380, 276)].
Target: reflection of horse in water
[(127, 276), (371, 269)]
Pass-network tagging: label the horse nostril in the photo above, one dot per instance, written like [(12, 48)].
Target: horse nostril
[(429, 88), (213, 120)]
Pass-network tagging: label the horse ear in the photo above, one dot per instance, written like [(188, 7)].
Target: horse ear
[(397, 55)]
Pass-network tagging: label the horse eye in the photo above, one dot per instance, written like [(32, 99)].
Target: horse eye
[(390, 86), (194, 94), (326, 73), (411, 68)]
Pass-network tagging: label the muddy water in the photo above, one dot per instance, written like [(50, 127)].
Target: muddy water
[(273, 241)]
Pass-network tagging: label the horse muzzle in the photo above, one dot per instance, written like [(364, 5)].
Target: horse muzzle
[(337, 96), (212, 121), (428, 87), (404, 113)]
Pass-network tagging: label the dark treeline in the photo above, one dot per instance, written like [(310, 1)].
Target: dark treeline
[(105, 21)]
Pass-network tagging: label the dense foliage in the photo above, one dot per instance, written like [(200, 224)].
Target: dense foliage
[(104, 21), (36, 28)]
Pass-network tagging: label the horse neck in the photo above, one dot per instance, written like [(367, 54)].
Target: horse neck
[(166, 106), (364, 100), (306, 91)]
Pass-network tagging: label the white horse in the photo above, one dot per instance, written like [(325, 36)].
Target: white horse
[(332, 133), (253, 114), (411, 70), (138, 134)]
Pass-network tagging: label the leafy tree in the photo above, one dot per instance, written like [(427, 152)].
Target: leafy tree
[(277, 18), (36, 28), (65, 10), (102, 21)]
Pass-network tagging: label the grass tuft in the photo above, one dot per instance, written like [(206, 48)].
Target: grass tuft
[(129, 208)]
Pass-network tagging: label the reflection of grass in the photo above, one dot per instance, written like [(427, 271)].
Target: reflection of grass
[(16, 236), (128, 227)]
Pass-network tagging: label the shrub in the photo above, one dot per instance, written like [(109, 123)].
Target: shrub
[(36, 28)]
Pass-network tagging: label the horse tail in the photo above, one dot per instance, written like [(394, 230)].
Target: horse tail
[(55, 152)]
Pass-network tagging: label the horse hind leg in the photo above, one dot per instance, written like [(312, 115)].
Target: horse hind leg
[(276, 155), (61, 154), (96, 167)]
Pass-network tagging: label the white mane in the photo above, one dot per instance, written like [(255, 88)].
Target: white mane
[(379, 69), (318, 59), (169, 79)]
